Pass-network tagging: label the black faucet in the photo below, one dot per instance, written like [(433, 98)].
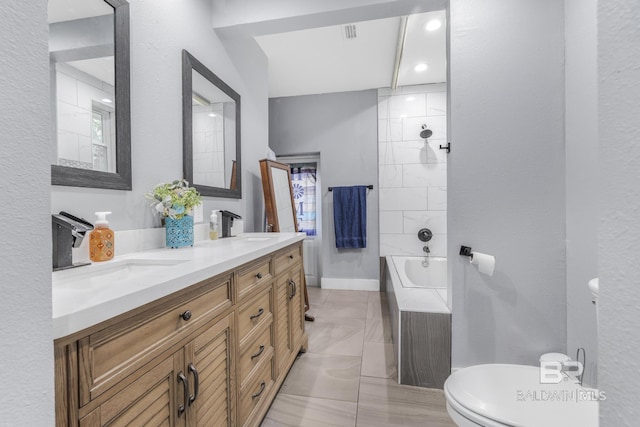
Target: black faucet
[(67, 232)]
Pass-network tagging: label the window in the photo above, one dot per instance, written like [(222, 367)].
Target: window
[(101, 139), (303, 180)]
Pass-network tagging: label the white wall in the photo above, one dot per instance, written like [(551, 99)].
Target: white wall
[(581, 151), (412, 172), (159, 32), (619, 228), (506, 179), (342, 127), (25, 261)]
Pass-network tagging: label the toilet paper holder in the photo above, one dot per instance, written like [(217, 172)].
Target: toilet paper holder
[(465, 251)]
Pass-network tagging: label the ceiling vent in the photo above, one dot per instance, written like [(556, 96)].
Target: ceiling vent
[(350, 31)]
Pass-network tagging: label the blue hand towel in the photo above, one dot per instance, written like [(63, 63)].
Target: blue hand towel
[(350, 216)]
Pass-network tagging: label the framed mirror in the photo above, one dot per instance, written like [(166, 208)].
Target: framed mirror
[(89, 70), (278, 196), (211, 131)]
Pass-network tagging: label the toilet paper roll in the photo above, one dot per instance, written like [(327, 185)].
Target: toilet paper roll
[(486, 263)]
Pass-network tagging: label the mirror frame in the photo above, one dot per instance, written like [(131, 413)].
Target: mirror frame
[(268, 190), (189, 63), (121, 179)]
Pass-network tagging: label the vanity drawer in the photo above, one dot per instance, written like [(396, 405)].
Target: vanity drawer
[(252, 313), (254, 351), (256, 390), (287, 258), (110, 355), (253, 275)]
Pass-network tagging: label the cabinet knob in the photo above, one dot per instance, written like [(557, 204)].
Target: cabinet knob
[(259, 275), (291, 256), (186, 315)]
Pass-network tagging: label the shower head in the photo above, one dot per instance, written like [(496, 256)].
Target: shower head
[(425, 133)]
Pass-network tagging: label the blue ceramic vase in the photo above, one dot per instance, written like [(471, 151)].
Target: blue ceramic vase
[(179, 232)]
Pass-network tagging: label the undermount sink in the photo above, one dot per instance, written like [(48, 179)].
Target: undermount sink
[(98, 275)]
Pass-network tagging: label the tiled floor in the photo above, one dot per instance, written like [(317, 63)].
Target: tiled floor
[(348, 376)]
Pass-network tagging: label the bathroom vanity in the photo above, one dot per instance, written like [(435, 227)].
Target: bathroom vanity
[(201, 336)]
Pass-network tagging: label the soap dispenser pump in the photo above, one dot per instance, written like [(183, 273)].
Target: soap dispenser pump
[(213, 226), (101, 240)]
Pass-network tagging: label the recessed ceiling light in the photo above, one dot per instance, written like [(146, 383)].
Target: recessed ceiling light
[(106, 100), (212, 115), (420, 67), (433, 25), (411, 98)]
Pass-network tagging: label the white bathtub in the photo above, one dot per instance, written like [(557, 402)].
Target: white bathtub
[(420, 319), (414, 275)]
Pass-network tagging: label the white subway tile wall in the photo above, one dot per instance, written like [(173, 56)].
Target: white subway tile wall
[(412, 171)]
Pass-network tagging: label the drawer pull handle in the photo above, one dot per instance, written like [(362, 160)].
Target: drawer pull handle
[(258, 314), (261, 349), (259, 275), (183, 379), (262, 387), (291, 256), (196, 383), (186, 315)]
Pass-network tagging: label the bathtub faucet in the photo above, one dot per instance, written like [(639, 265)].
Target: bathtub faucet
[(427, 253)]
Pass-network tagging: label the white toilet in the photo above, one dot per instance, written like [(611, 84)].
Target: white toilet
[(502, 395), (512, 395)]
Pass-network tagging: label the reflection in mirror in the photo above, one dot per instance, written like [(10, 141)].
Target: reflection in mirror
[(211, 131), (91, 126), (282, 196), (214, 133)]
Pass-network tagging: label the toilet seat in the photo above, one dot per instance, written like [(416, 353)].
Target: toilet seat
[(502, 395)]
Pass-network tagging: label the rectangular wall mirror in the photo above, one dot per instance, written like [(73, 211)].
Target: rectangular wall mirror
[(89, 72), (211, 131)]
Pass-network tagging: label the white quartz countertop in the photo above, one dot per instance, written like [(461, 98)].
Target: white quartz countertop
[(86, 296)]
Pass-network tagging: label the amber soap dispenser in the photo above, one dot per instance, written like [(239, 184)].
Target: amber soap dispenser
[(101, 240)]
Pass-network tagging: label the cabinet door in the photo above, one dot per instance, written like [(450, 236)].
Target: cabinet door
[(150, 400), (296, 304), (283, 343), (210, 367)]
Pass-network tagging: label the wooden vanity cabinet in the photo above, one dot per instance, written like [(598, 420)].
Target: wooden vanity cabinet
[(213, 354)]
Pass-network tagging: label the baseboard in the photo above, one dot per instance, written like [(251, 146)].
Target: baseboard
[(350, 284)]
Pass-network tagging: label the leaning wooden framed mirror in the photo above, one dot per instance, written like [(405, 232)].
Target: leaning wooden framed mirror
[(278, 196), (279, 205)]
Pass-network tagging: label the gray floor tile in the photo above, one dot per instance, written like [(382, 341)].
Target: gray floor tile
[(377, 307), (378, 329), (324, 375), (337, 296), (378, 360), (339, 340), (328, 389), (384, 402), (317, 296), (290, 410), (342, 311)]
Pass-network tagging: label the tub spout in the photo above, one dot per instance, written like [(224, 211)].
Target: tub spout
[(427, 254)]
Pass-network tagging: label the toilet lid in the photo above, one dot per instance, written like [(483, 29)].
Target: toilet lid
[(513, 395)]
